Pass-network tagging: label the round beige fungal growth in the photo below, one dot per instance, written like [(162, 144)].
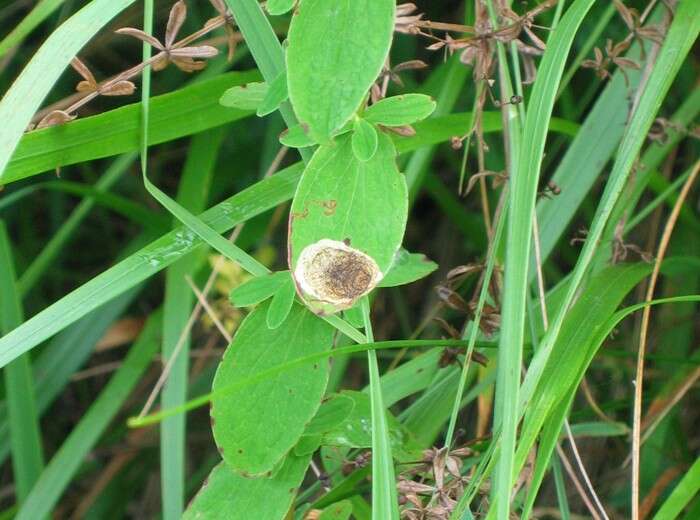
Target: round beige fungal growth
[(333, 272)]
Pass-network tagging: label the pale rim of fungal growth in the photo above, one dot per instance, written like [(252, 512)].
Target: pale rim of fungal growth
[(332, 272)]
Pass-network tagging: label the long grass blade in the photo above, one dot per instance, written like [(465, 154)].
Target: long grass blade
[(384, 497), (25, 436), (36, 80)]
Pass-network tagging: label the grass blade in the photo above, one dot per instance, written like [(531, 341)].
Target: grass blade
[(25, 436), (36, 80), (41, 12), (681, 495), (65, 463), (680, 38), (384, 497), (524, 182)]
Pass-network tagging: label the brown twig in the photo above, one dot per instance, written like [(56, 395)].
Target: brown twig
[(639, 381)]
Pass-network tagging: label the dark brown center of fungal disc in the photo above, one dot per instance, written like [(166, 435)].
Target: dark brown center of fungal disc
[(340, 275)]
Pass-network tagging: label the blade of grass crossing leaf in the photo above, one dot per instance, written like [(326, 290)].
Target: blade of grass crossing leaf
[(192, 194), (25, 436), (65, 463), (524, 182), (679, 39), (384, 496), (36, 16), (36, 80)]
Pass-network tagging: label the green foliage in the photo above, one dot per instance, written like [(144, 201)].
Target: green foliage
[(258, 289), (495, 195), (227, 495), (407, 268), (360, 203), (274, 97), (246, 442), (336, 50), (278, 7), (364, 140), (400, 110), (248, 96)]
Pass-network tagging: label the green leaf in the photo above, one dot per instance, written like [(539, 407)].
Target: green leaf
[(226, 495), (257, 289), (183, 112), (400, 110), (338, 511), (332, 412), (245, 97), (278, 7), (275, 96), (297, 137), (281, 303), (307, 445), (242, 419), (37, 79), (336, 51), (346, 210), (407, 268), (355, 430), (364, 140)]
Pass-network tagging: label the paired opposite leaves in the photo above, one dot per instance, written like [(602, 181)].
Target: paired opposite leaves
[(256, 426), (336, 51)]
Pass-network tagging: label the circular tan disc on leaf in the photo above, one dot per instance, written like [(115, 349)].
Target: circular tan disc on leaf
[(335, 273)]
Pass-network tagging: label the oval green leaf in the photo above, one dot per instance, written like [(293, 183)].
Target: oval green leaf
[(276, 95), (281, 304), (297, 137), (254, 427), (338, 511), (257, 289), (349, 212), (364, 140), (400, 110), (407, 268), (336, 51), (226, 495), (245, 97)]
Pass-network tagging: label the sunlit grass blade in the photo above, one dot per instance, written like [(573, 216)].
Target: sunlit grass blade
[(680, 38), (25, 436), (38, 78), (186, 111), (524, 182)]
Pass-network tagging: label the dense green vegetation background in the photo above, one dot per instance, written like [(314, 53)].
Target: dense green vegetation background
[(98, 280)]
